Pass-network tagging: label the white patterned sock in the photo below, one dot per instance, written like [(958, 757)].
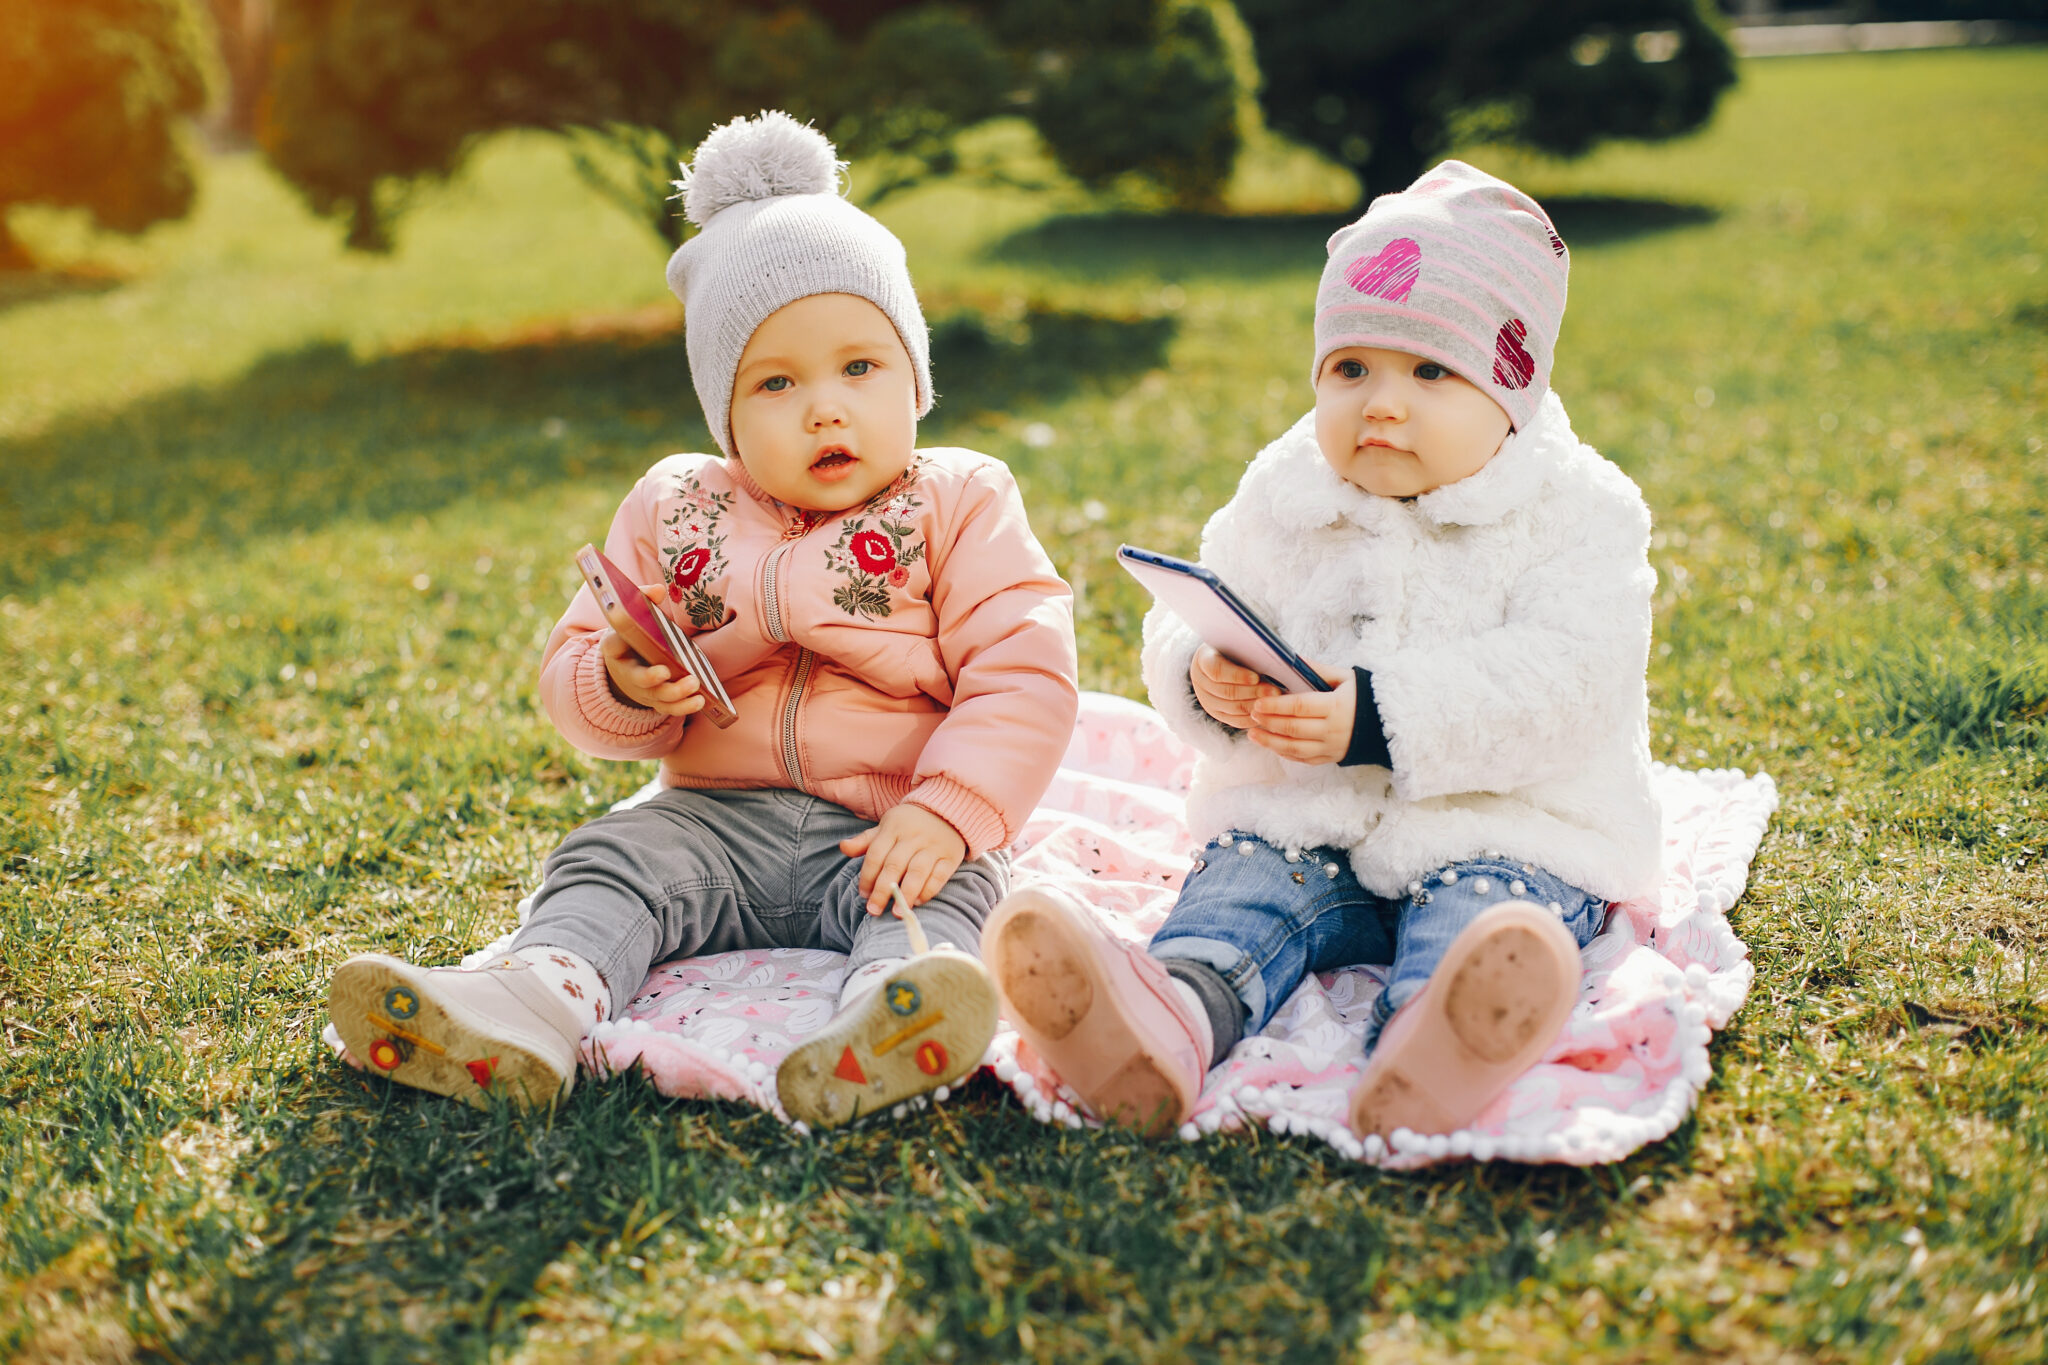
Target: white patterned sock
[(578, 981), (862, 980)]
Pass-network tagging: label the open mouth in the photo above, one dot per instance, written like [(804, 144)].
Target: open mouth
[(833, 460)]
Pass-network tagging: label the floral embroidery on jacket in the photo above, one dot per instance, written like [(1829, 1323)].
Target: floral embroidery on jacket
[(876, 548), (696, 552)]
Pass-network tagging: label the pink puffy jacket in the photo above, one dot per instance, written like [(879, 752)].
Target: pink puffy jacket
[(919, 647)]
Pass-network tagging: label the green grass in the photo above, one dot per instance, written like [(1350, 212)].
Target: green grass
[(281, 531)]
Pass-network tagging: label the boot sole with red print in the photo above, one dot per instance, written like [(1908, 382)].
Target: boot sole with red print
[(927, 1025), (453, 1033)]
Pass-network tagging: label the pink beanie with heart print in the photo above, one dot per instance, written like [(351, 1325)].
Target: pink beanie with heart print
[(1459, 267)]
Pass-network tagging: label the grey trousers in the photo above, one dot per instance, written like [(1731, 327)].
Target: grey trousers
[(694, 872)]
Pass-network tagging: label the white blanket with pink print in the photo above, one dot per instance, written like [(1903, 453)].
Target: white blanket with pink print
[(1659, 979)]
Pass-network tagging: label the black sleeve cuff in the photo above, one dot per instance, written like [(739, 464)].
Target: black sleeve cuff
[(1368, 734)]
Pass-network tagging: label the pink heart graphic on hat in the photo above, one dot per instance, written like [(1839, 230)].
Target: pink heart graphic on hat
[(1389, 273), (1513, 366)]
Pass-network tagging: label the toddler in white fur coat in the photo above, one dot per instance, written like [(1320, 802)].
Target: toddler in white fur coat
[(1473, 793)]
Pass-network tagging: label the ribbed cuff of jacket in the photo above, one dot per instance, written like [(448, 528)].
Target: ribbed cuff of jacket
[(1368, 731), (602, 710), (979, 823)]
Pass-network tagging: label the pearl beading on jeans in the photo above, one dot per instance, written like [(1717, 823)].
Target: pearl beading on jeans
[(1712, 990)]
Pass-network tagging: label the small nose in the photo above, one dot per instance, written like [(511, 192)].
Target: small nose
[(1383, 399)]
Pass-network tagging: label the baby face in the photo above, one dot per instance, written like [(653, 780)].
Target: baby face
[(1398, 425), (824, 403)]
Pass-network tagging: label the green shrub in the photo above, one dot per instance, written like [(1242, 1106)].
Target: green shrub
[(91, 109)]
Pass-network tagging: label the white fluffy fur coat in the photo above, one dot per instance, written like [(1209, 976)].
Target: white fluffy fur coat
[(1505, 620)]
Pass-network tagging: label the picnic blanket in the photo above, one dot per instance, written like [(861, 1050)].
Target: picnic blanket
[(1666, 971)]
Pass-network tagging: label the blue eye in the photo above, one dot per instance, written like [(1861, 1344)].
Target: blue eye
[(857, 368), (776, 384), (1351, 369), (1429, 369)]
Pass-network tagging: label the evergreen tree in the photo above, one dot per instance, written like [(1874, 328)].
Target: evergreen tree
[(370, 96), (1386, 86)]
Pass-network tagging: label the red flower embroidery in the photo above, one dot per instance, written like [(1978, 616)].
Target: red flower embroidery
[(898, 576), (689, 568), (874, 552)]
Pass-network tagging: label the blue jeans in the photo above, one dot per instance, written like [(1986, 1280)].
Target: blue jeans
[(1265, 919)]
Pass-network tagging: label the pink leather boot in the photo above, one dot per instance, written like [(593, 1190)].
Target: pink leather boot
[(1107, 1017), (1493, 1007)]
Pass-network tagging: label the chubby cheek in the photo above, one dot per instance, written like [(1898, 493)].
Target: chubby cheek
[(1336, 435), (904, 437), (889, 438), (1469, 444), (755, 433), (904, 416)]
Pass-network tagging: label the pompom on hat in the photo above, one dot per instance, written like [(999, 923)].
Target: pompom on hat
[(764, 193), (1460, 267)]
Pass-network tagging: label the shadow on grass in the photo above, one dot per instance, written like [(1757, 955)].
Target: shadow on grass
[(19, 287), (979, 365), (399, 1226), (1195, 246), (1181, 246), (315, 435), (402, 1226), (2032, 313), (1585, 220)]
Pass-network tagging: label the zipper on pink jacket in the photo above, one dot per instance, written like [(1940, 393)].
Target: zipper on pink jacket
[(791, 759), (771, 615)]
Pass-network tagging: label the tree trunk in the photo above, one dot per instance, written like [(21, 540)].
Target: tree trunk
[(1396, 159), (13, 255), (245, 28)]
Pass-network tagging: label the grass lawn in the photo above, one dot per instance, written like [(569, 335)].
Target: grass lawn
[(281, 531)]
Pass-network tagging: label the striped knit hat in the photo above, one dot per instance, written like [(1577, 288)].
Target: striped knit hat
[(1459, 267), (774, 229)]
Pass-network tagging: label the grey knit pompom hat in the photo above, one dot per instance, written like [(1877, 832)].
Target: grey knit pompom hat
[(764, 193)]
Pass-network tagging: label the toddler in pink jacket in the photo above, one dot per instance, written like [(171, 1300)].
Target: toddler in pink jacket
[(897, 644)]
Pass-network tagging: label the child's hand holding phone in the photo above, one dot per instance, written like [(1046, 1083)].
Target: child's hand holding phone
[(650, 662), (1227, 690), (1308, 727), (649, 685)]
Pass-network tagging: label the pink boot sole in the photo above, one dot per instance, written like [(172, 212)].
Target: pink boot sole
[(1493, 1007), (1098, 1012)]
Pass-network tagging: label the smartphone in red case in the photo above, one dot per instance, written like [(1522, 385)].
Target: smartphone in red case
[(649, 633)]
